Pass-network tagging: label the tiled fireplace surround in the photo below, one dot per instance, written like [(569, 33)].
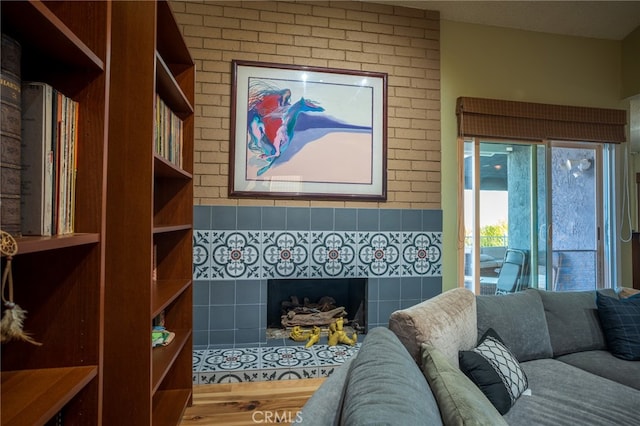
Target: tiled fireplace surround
[(237, 249)]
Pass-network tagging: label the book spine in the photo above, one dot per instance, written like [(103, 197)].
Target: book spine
[(10, 134), (36, 159)]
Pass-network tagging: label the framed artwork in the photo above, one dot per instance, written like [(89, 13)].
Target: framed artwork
[(307, 132)]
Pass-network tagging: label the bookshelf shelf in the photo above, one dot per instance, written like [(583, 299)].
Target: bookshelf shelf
[(163, 168), (40, 244), (167, 404), (34, 396), (165, 356), (47, 33), (165, 292), (169, 90)]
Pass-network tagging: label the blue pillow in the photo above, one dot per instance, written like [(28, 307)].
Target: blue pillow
[(620, 320)]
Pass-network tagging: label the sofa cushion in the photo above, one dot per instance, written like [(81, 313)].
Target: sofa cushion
[(459, 400), (604, 364), (496, 372), (447, 321), (519, 320), (572, 319), (620, 320), (563, 395), (386, 386)]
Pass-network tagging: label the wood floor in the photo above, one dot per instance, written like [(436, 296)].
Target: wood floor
[(234, 404)]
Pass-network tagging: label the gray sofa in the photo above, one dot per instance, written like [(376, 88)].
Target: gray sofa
[(556, 337)]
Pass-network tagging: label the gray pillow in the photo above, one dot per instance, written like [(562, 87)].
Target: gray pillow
[(461, 402), (572, 318), (386, 387), (519, 320)]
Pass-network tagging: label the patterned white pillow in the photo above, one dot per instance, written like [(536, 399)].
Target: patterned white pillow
[(495, 370)]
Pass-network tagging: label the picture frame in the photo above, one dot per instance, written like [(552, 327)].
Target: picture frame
[(300, 132)]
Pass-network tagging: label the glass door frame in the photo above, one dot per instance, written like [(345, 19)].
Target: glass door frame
[(475, 284), (601, 275)]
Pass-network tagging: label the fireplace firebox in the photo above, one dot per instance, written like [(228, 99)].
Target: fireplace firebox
[(349, 293)]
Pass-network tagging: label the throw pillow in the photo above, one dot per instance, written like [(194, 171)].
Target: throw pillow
[(495, 370), (626, 292), (620, 320), (460, 402)]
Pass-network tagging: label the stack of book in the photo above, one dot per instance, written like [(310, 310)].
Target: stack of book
[(49, 159), (168, 134), (10, 135)]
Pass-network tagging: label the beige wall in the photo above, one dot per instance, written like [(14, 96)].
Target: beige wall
[(491, 62), (404, 43), (631, 64)]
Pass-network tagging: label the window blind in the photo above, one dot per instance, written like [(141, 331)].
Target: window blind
[(534, 121)]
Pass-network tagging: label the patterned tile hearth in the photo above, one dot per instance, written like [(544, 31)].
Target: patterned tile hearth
[(267, 363)]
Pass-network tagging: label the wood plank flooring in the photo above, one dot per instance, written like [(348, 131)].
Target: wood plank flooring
[(236, 404)]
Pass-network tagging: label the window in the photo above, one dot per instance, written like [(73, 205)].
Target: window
[(537, 211)]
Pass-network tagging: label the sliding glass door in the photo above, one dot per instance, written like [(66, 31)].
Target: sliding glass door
[(532, 215), (576, 211)]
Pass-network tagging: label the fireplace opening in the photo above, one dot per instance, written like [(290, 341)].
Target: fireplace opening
[(324, 298)]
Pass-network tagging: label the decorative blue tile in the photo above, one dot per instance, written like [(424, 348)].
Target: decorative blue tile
[(222, 293), (248, 292), (233, 365), (333, 254), (201, 255), (285, 254), (432, 220), (298, 218), (346, 219), (368, 220), (249, 218), (322, 219), (201, 293), (223, 218), (202, 217), (422, 253), (198, 359), (379, 254), (274, 218), (231, 359), (391, 219), (332, 355), (412, 220), (411, 288), (235, 254), (287, 357)]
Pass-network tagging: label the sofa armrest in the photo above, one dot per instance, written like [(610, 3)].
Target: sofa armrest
[(447, 322), (325, 405)]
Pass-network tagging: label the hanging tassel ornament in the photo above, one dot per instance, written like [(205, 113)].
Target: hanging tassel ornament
[(11, 325)]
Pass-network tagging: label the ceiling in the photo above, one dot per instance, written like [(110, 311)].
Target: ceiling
[(612, 20)]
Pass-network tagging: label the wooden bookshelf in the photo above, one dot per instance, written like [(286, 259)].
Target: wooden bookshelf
[(60, 280), (149, 216)]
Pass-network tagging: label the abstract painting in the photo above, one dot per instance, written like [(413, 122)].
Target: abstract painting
[(307, 132)]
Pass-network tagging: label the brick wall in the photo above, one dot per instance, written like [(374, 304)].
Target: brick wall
[(402, 42)]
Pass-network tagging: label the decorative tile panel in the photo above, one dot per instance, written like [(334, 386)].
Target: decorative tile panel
[(285, 254), (379, 254), (201, 255), (268, 363), (333, 254), (422, 253), (242, 255), (235, 254)]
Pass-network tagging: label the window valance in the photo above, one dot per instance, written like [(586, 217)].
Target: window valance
[(533, 121)]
